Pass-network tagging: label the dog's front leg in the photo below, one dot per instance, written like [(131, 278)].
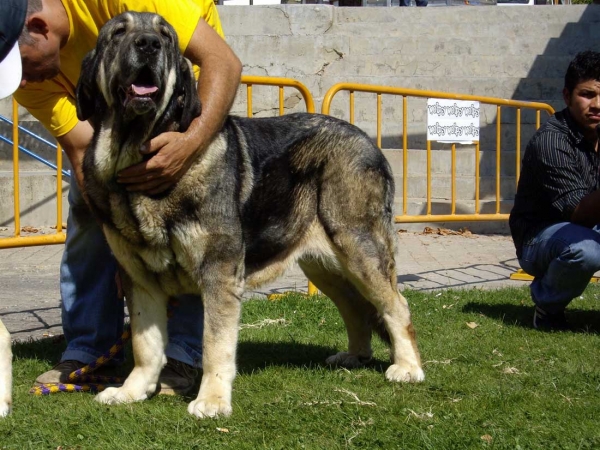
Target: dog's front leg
[(222, 306), (148, 312), (5, 371)]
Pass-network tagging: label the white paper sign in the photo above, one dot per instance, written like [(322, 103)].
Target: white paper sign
[(452, 120)]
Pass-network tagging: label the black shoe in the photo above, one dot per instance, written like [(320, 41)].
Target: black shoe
[(177, 378), (543, 320)]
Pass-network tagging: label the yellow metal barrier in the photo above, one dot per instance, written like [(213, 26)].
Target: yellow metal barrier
[(27, 241), (521, 275), (250, 80), (428, 216), (59, 236)]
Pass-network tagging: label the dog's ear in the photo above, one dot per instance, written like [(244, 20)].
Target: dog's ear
[(188, 95), (86, 92)]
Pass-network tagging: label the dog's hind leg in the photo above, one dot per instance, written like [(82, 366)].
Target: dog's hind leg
[(5, 371), (368, 261), (148, 311), (356, 312)]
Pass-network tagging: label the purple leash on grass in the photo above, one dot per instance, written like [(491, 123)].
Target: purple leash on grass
[(82, 380)]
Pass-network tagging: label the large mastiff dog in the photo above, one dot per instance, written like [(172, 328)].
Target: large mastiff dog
[(267, 193)]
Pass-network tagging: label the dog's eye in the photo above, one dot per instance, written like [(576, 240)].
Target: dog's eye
[(165, 32), (118, 31)]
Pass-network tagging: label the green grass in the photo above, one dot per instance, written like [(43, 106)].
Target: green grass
[(498, 385)]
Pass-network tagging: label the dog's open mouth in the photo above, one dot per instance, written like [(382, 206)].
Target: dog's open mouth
[(140, 95), (142, 91), (137, 92)]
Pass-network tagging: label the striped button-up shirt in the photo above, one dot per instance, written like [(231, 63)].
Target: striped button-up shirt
[(559, 168)]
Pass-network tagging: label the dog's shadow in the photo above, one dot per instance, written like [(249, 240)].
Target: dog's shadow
[(255, 356), (582, 321), (48, 350), (252, 356)]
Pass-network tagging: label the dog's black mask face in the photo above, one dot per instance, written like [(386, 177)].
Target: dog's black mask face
[(136, 71)]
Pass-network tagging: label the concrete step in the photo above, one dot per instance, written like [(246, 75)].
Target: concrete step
[(439, 207), (26, 163), (441, 162), (481, 46), (38, 205), (441, 187), (357, 55), (370, 22), (37, 199), (439, 65), (417, 206)]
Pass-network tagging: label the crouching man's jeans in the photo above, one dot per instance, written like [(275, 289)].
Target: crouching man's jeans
[(92, 314), (562, 258)]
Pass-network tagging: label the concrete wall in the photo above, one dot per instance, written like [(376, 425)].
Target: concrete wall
[(515, 52)]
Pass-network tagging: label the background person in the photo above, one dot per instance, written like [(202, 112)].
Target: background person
[(554, 221), (56, 37), (417, 2)]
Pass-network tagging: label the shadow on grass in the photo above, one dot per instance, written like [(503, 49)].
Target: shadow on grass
[(47, 349), (583, 321), (253, 356)]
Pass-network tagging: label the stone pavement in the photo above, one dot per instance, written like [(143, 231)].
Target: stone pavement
[(30, 299)]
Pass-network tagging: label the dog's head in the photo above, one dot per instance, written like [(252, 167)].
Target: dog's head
[(137, 73)]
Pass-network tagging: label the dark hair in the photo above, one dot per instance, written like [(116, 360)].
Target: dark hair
[(584, 67), (33, 6)]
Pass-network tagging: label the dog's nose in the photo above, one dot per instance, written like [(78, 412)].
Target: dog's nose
[(147, 43)]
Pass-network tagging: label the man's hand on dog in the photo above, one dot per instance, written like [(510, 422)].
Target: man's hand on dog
[(172, 153)]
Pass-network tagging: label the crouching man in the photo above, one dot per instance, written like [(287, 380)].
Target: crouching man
[(556, 215)]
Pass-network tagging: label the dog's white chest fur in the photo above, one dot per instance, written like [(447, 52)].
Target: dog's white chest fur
[(151, 252), (110, 157), (138, 222), (140, 229)]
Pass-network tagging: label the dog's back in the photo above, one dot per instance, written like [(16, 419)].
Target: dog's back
[(309, 174)]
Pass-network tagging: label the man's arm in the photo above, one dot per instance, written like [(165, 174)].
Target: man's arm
[(74, 144), (587, 212), (174, 152), (553, 161)]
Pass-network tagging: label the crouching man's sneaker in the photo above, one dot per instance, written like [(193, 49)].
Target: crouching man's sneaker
[(177, 378), (543, 320)]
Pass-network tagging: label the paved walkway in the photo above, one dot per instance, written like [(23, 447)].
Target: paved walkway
[(29, 295)]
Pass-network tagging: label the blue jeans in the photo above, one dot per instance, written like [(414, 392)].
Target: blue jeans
[(562, 258), (92, 313)]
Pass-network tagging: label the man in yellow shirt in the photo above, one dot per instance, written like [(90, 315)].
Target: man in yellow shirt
[(57, 35)]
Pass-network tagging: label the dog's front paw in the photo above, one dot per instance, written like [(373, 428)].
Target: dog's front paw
[(114, 396), (404, 373), (4, 408), (210, 407), (348, 360)]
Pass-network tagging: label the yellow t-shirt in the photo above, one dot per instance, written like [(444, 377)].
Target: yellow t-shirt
[(52, 102)]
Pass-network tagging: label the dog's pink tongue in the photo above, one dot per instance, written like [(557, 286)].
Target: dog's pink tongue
[(143, 90)]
